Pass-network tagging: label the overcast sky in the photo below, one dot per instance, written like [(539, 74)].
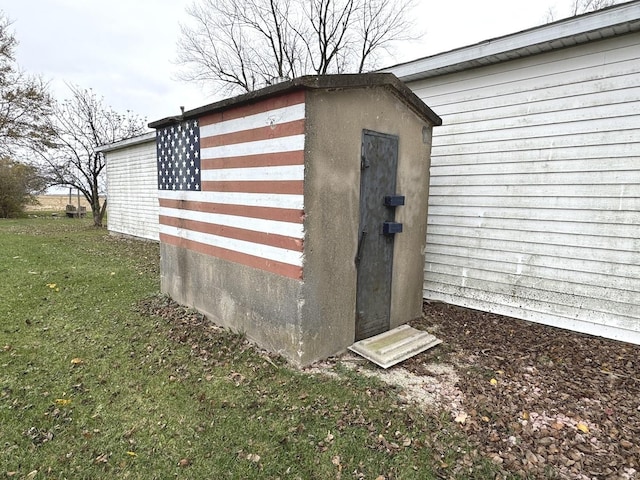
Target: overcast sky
[(124, 49)]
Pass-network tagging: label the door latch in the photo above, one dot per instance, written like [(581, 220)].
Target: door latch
[(391, 228), (394, 200)]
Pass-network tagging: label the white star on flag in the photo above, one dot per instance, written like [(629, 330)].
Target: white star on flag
[(185, 152)]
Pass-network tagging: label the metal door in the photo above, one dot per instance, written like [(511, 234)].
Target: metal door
[(374, 259)]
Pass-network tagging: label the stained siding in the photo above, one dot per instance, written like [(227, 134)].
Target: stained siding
[(535, 188), (132, 189)]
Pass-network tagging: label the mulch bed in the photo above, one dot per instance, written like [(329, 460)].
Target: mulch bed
[(540, 401)]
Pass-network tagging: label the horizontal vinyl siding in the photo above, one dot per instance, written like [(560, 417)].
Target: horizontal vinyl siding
[(133, 191), (534, 204)]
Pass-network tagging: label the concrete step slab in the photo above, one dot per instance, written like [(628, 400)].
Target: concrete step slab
[(394, 346)]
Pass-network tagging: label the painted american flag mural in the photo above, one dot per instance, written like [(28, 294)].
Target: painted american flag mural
[(236, 192)]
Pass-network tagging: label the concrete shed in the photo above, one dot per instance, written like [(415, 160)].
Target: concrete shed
[(534, 207), (132, 189), (297, 213)]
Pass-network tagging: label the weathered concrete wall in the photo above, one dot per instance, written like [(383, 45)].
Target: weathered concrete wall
[(260, 304), (234, 249), (335, 120)]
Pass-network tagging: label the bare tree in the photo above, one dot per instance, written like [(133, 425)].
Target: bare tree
[(331, 23), (82, 124), (578, 7), (25, 103), (241, 45), (382, 23)]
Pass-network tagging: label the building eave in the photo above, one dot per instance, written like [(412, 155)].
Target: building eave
[(144, 138), (613, 21)]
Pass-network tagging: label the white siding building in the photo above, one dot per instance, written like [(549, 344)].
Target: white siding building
[(132, 187), (534, 207)]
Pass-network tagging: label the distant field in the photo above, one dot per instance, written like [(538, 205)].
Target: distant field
[(50, 203)]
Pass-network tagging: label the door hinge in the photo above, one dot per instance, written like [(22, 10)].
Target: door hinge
[(363, 236)]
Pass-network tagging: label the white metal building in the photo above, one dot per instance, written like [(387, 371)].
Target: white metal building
[(132, 187), (534, 207)]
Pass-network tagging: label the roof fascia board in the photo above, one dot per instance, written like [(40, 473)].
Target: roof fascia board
[(314, 82), (129, 142), (573, 26)]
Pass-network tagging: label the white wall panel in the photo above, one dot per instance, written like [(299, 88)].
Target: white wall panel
[(534, 205), (132, 189)]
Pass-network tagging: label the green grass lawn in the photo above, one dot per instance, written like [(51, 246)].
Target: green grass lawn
[(93, 385)]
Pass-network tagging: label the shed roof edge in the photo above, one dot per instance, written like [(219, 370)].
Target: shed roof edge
[(314, 82)]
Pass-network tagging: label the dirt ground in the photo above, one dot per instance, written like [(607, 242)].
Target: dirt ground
[(539, 401)]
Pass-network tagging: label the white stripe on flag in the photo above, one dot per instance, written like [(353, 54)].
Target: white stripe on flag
[(285, 172), (295, 230), (258, 120), (272, 200), (273, 145), (276, 254)]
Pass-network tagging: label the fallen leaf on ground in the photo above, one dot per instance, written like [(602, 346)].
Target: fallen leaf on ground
[(252, 457), (461, 418), (582, 427), (557, 395)]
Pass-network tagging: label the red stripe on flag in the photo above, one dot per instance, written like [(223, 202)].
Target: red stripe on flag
[(281, 101), (279, 241), (266, 213), (263, 160), (279, 268), (291, 187), (252, 135)]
